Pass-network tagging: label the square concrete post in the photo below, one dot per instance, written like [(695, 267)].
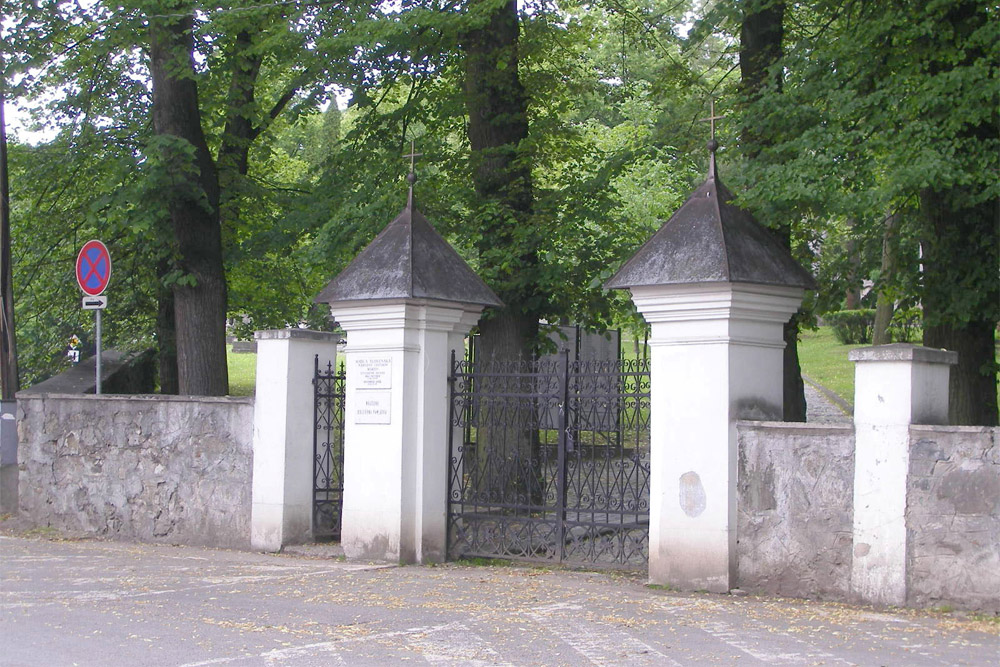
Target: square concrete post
[(894, 386), (283, 430), (8, 458), (397, 424), (716, 357)]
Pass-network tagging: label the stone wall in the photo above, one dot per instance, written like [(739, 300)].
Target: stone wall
[(794, 499), (953, 517), (148, 468)]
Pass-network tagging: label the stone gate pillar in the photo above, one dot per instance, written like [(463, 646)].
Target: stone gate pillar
[(894, 386), (716, 289), (283, 421), (406, 302)]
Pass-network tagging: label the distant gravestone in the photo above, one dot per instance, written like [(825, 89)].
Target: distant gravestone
[(244, 346)]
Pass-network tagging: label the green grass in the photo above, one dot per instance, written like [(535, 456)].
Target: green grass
[(242, 373), (824, 359)]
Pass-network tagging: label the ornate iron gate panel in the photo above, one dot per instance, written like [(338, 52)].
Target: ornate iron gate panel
[(328, 450), (549, 461)]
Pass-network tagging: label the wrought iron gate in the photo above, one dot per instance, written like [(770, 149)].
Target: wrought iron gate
[(549, 461), (328, 450)]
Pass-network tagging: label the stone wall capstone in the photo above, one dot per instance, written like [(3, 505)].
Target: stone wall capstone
[(148, 468), (953, 517), (795, 515)]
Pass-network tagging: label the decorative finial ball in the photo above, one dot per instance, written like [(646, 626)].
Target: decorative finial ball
[(713, 145), (411, 177)]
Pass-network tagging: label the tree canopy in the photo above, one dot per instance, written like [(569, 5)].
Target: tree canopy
[(555, 137)]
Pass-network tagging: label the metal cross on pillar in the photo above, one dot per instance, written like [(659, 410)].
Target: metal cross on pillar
[(412, 176), (712, 145)]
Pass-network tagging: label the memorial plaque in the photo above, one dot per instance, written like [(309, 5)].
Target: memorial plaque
[(372, 407), (373, 372)]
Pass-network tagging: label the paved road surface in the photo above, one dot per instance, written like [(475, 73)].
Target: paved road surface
[(103, 603)]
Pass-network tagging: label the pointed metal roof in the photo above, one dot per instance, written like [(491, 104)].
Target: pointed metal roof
[(409, 260), (711, 240)]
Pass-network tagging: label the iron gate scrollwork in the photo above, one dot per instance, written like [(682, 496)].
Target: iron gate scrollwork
[(328, 449), (549, 461)]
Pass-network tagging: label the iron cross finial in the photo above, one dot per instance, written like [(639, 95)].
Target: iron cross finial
[(712, 117), (713, 145), (412, 176), (413, 155)]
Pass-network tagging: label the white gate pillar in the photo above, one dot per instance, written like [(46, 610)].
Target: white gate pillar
[(716, 289), (406, 302), (715, 357), (283, 430), (396, 426), (894, 386)]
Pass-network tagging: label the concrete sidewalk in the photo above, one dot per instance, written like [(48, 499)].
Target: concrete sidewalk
[(104, 603)]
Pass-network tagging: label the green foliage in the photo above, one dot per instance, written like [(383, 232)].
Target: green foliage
[(906, 325), (852, 327)]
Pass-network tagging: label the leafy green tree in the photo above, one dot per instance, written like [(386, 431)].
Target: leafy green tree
[(894, 107)]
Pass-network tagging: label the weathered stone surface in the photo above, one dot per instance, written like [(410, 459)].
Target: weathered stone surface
[(953, 517), (147, 468), (795, 520)]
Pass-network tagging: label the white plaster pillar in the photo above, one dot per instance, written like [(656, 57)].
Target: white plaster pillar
[(397, 424), (283, 430), (894, 386), (716, 357), (8, 458)]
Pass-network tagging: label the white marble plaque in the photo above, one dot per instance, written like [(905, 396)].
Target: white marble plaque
[(373, 372), (372, 407)]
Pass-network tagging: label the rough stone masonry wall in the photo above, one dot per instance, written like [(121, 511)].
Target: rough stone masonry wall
[(953, 517), (795, 517), (147, 468)]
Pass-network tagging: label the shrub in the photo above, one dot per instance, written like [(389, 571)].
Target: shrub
[(907, 325), (852, 327)]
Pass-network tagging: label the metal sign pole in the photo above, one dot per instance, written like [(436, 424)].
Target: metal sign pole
[(97, 314)]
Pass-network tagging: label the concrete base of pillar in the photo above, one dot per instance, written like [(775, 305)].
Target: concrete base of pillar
[(8, 458)]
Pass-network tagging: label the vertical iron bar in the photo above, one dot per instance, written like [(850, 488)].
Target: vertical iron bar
[(315, 430), (561, 455), (450, 482)]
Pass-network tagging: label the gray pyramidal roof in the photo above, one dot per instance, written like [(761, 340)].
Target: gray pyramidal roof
[(710, 240), (409, 260)]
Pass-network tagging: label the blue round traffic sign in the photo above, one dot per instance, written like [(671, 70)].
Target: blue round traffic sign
[(93, 268)]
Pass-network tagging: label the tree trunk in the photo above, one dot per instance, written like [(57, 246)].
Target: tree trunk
[(961, 253), (885, 303), (166, 335), (9, 382), (961, 297), (200, 295), (852, 299), (498, 124), (761, 36), (508, 447)]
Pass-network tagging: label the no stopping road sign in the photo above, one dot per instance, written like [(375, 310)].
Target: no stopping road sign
[(93, 268)]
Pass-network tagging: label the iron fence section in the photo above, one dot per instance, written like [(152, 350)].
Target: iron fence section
[(328, 449), (549, 461)]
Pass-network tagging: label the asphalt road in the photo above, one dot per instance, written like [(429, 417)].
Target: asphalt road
[(103, 603)]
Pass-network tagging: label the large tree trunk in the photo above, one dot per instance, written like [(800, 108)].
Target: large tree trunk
[(9, 382), (761, 36), (200, 295), (961, 253), (498, 124), (508, 458), (166, 335), (961, 297)]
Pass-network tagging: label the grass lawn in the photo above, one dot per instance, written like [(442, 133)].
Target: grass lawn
[(242, 372), (824, 359)]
